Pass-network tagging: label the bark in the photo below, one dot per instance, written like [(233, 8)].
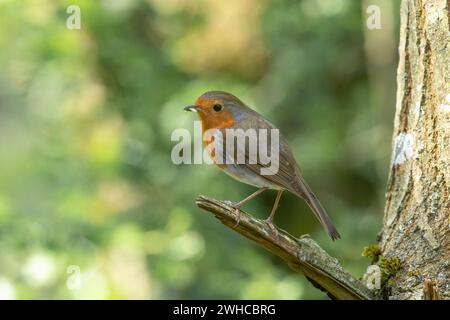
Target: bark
[(416, 225)]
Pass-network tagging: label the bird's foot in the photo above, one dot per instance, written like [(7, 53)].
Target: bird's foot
[(272, 226)]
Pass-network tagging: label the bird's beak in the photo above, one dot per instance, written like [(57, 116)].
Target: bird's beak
[(192, 108)]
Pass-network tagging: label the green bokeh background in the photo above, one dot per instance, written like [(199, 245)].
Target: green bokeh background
[(86, 116)]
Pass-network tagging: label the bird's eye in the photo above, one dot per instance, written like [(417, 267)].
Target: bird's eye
[(217, 107)]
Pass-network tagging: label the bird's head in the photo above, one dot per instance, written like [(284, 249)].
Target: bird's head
[(217, 109)]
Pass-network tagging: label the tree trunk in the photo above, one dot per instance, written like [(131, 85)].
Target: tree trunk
[(417, 215)]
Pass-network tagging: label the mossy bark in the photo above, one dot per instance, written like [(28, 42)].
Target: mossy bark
[(417, 214)]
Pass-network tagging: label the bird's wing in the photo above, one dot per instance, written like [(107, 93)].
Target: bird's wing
[(287, 174)]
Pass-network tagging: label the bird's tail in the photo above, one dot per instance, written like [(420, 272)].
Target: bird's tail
[(320, 213)]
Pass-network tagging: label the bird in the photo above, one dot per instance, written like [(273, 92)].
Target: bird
[(220, 111)]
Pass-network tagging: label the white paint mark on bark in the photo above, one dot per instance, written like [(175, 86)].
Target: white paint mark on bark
[(417, 109), (404, 147), (445, 107)]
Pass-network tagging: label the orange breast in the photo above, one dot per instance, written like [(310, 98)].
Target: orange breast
[(220, 120), (211, 143)]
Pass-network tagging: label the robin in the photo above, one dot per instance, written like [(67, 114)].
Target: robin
[(219, 110)]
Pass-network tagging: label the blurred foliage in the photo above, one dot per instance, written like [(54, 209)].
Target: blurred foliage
[(85, 121)]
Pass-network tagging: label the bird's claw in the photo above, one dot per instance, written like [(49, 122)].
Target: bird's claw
[(238, 217), (237, 212), (272, 226)]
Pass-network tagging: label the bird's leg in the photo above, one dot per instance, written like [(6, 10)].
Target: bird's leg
[(269, 220), (239, 204)]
